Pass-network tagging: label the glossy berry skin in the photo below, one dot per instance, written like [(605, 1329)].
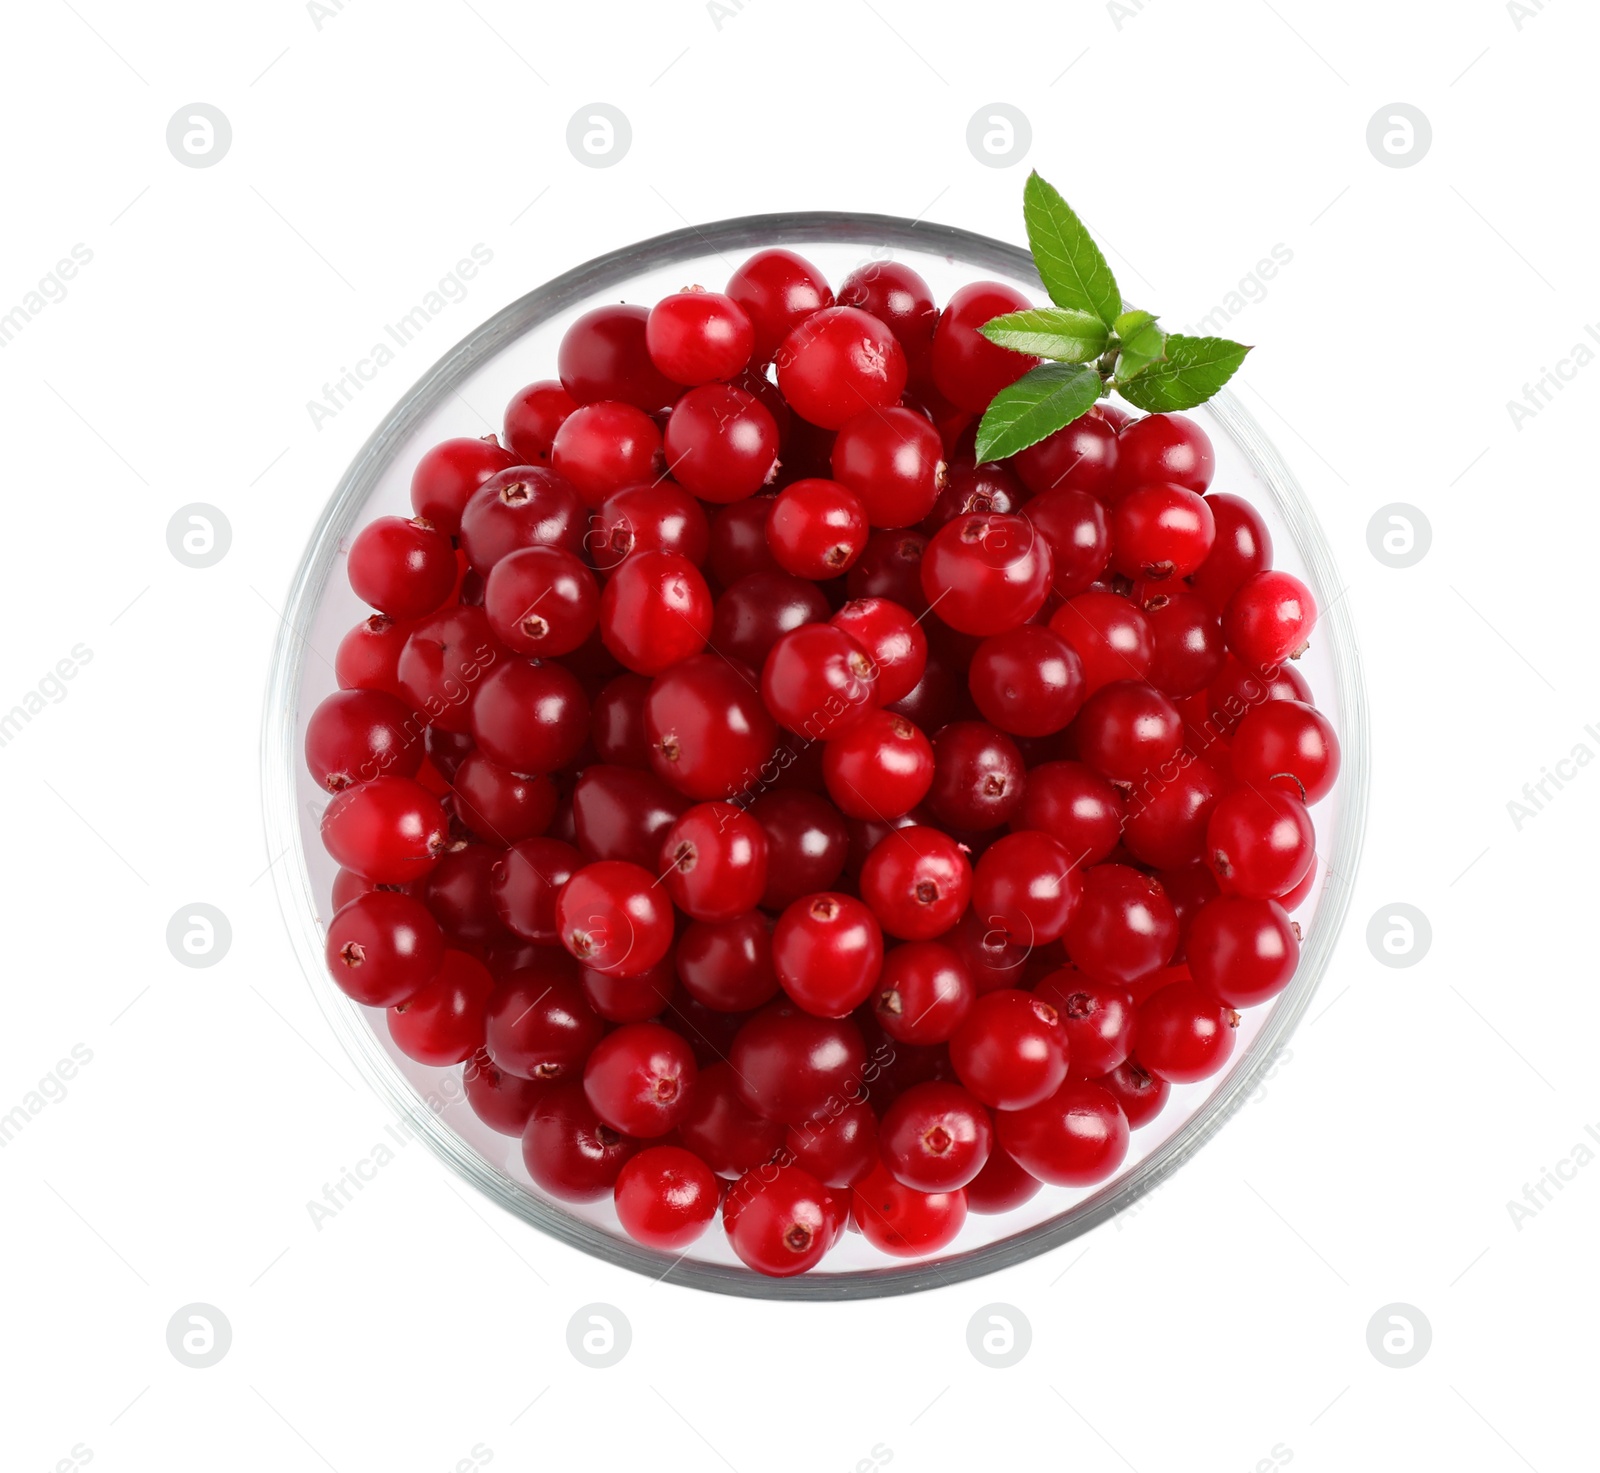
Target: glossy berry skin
[(612, 917), (881, 767), (827, 950), (714, 862), (1165, 447), (1269, 619), (1160, 532), (923, 993), (444, 660), (658, 517), (616, 724), (634, 999), (970, 488), (1259, 842), (839, 1147), (1243, 952), (639, 1079), (891, 567), (1238, 690), (986, 572), (696, 336), (817, 528), (777, 290), (837, 363), (603, 447), (968, 369), (1288, 745), (526, 880), (1077, 1137), (1187, 638), (902, 1221), (383, 947), (978, 776), (503, 1101), (898, 297), (811, 840), (780, 1220), (1001, 1185), (758, 609), (726, 964), (1241, 549), (530, 716), (1027, 885), (1112, 637), (655, 610), (892, 638), (1010, 1050), (449, 473), (1075, 805), (722, 1130), (443, 1023), (893, 459), (541, 601), (721, 443), (604, 355), (1082, 457), (1098, 1019), (526, 506), (532, 418), (666, 1197), (568, 1150), (392, 830), (499, 805), (917, 881), (539, 1024), (368, 657), (1074, 524), (709, 734), (1127, 730), (356, 735), (818, 682), (1027, 681), (935, 1137), (790, 1063), (1166, 823), (1140, 1093), (1185, 1034), (1124, 927), (404, 568)]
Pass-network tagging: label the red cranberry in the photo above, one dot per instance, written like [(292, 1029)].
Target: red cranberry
[(1027, 681), (1112, 638), (1075, 805), (935, 1137), (809, 837), (1164, 447), (1081, 457), (902, 1221), (449, 473), (754, 612), (604, 355), (1238, 690), (617, 721), (459, 893), (818, 681), (721, 443), (1269, 619), (632, 999), (383, 948), (970, 488), (525, 883), (1124, 927), (660, 517), (1160, 532), (1075, 526), (1242, 548), (923, 993), (532, 418), (600, 448), (392, 830), (968, 369), (640, 1079), (1010, 1050), (790, 1063), (777, 290), (817, 528), (356, 735), (539, 1023), (893, 460), (1185, 1034), (891, 568), (838, 1147), (1127, 730), (714, 862), (838, 362), (443, 1023), (978, 776), (1287, 744), (666, 1197), (404, 569), (568, 1150), (898, 297), (918, 882), (1098, 1020), (1166, 823), (1259, 842), (739, 541), (498, 804), (368, 656), (655, 611), (1187, 639), (881, 767), (1026, 885), (780, 1220), (541, 601), (722, 1130), (620, 813), (726, 965), (1001, 1186), (696, 336), (827, 950), (612, 916), (985, 573), (446, 656), (709, 734), (1139, 1092), (526, 506), (1077, 1137), (1243, 952), (529, 716), (504, 1102)]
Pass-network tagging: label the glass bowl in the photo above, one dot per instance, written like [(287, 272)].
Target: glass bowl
[(518, 345)]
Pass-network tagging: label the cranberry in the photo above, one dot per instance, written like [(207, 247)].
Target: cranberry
[(1124, 927), (1259, 842), (445, 657), (612, 916), (1127, 730), (600, 448), (805, 831), (978, 776), (777, 290), (666, 1197), (900, 1220), (722, 1130), (817, 528), (721, 443), (1139, 1092), (1188, 648), (739, 541), (696, 336), (459, 892), (633, 999), (838, 362), (449, 473), (754, 612), (498, 804), (827, 950), (1160, 532), (985, 573), (604, 355), (1075, 805), (714, 862), (640, 1078), (368, 657), (917, 881), (539, 1022), (526, 506), (1010, 1050), (532, 418), (443, 1023), (356, 735), (1185, 1034), (1164, 447), (404, 569), (839, 1146), (1077, 1137), (541, 601), (1243, 952), (1166, 823), (568, 1150), (726, 965), (1287, 744), (1188, 889), (898, 297), (1237, 690), (968, 369), (526, 880), (1098, 1019), (893, 460), (530, 716), (617, 721), (1001, 1185), (940, 697), (1026, 885), (970, 488), (1075, 526), (1027, 681), (391, 829), (995, 959), (1269, 619), (383, 948), (923, 993), (818, 682), (709, 734), (660, 517), (620, 813), (891, 567), (880, 768), (503, 1101), (780, 1220), (1081, 457), (790, 1063), (1112, 638), (655, 611), (1243, 548)]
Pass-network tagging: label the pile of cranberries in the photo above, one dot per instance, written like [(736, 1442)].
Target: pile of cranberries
[(783, 817)]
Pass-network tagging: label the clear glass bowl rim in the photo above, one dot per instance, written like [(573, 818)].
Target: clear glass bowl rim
[(280, 760)]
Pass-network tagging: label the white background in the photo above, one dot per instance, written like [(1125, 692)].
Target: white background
[(1221, 1325)]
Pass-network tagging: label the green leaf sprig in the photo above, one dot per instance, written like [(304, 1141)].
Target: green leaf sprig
[(1091, 344)]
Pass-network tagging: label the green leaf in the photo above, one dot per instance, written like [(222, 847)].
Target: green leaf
[(1038, 404), (1070, 264), (1130, 323), (1143, 343), (1193, 370), (1050, 332)]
